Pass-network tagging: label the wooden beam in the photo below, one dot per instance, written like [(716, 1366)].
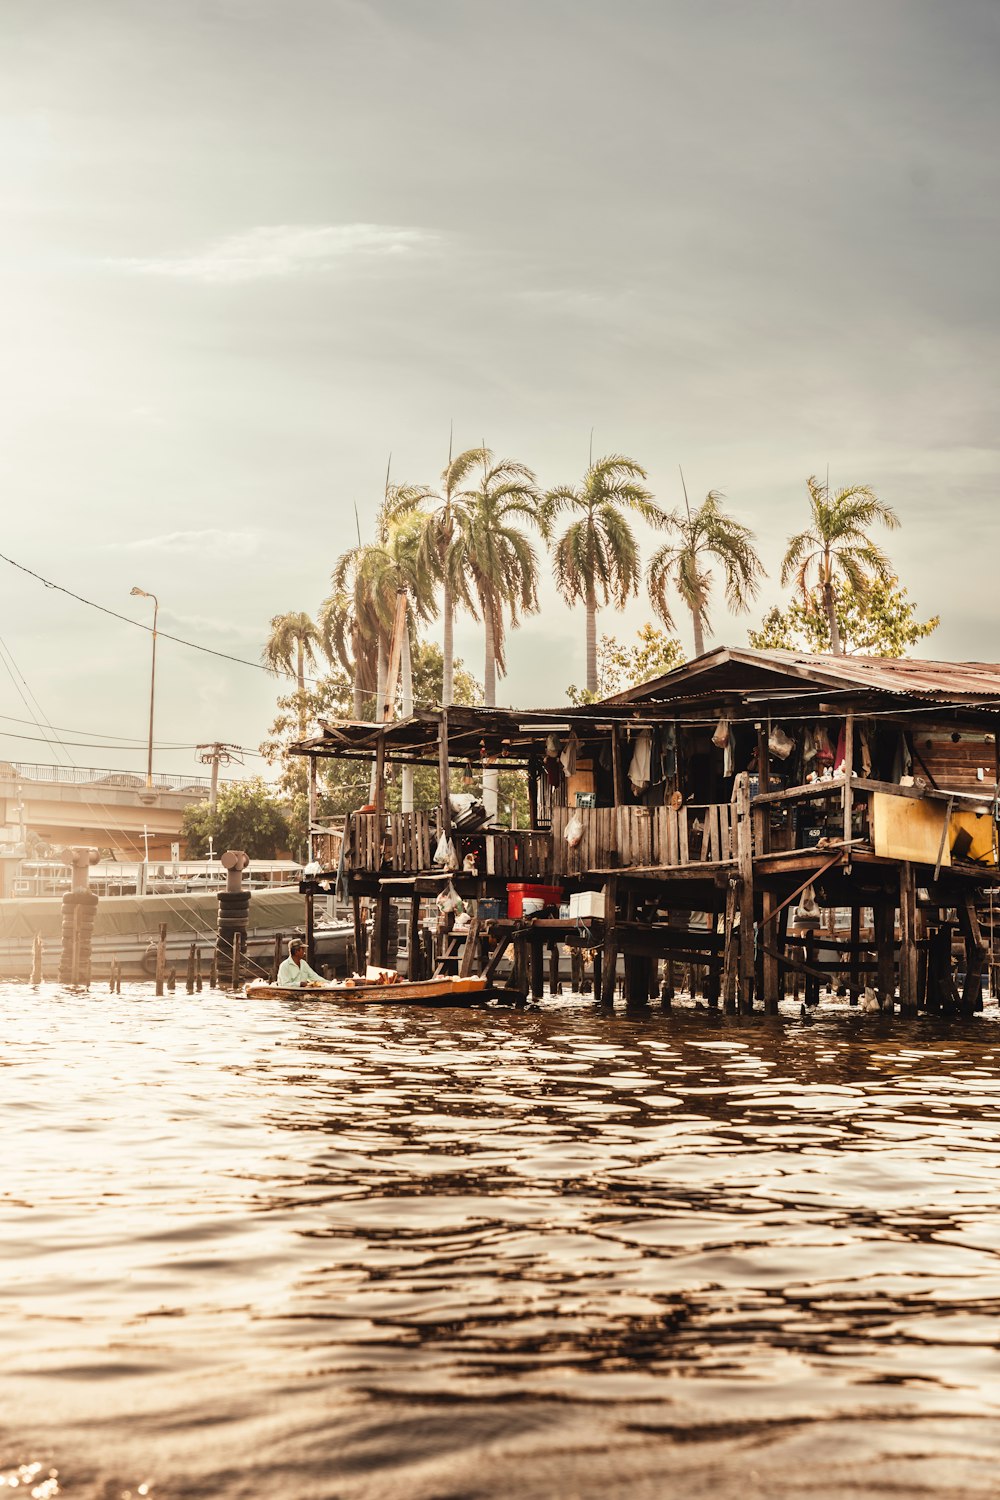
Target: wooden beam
[(609, 958), (771, 957), (848, 769), (744, 860), (907, 940)]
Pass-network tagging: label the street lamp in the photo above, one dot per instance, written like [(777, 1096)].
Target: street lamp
[(142, 594)]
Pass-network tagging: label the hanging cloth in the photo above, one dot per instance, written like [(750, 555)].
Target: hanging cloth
[(669, 750), (639, 766), (569, 750)]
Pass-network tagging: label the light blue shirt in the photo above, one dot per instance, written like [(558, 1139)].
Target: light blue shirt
[(292, 976)]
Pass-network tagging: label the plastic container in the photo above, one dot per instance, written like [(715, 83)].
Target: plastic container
[(548, 895)]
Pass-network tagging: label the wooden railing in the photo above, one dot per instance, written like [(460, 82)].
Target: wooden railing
[(404, 843), (635, 837)]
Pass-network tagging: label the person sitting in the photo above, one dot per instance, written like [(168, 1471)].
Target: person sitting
[(295, 971)]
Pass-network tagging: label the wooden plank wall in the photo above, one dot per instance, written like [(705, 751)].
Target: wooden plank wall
[(634, 836)]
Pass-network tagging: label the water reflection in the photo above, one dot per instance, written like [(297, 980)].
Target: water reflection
[(289, 1250)]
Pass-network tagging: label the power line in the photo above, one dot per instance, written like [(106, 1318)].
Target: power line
[(138, 625)]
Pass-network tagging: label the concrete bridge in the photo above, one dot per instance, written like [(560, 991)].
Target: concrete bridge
[(66, 805)]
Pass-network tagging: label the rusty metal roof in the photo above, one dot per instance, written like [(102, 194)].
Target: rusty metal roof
[(937, 681)]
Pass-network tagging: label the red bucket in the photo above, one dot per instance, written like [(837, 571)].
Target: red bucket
[(549, 895)]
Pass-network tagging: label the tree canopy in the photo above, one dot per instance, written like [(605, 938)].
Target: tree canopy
[(881, 621), (248, 816), (621, 666)]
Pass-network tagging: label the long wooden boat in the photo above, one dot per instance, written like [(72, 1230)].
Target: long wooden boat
[(446, 990)]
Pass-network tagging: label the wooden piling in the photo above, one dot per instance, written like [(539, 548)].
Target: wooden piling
[(609, 959), (555, 987), (414, 965), (884, 914), (197, 970), (730, 954), (213, 973), (744, 862), (171, 980), (237, 955), (770, 956), (854, 977), (279, 939), (161, 958), (907, 940), (36, 959), (189, 978), (537, 954)]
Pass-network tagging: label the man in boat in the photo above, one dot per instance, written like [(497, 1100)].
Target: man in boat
[(295, 971)]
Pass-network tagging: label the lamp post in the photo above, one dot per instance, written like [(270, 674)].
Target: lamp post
[(142, 594)]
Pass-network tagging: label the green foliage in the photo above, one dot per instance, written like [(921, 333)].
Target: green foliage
[(428, 678), (682, 563), (881, 621), (621, 666), (248, 816)]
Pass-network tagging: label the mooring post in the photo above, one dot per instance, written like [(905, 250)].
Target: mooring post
[(197, 970), (161, 958), (884, 914), (36, 959), (279, 938), (171, 980), (189, 978), (609, 960), (769, 967), (907, 940), (237, 955)]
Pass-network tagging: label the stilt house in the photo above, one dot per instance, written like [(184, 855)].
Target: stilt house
[(721, 810)]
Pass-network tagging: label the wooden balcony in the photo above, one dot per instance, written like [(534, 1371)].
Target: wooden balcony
[(643, 837)]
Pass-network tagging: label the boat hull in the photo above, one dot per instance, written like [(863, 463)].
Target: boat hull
[(446, 991)]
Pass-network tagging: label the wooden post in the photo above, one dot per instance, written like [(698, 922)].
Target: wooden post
[(975, 954), (576, 970), (380, 935), (36, 959), (744, 863), (537, 966), (237, 954), (161, 958), (213, 972), (555, 987), (310, 929), (770, 956), (782, 943), (414, 965), (379, 798), (616, 765), (444, 788), (171, 980), (359, 934), (848, 771), (729, 947), (533, 792), (609, 960), (313, 769), (854, 980), (470, 953), (907, 940), (189, 978), (279, 938), (884, 913), (763, 760)]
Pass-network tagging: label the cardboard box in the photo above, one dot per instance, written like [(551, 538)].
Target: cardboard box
[(586, 904)]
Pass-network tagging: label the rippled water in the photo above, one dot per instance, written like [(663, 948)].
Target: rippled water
[(291, 1250)]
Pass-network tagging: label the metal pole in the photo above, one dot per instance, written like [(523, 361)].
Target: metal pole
[(152, 694)]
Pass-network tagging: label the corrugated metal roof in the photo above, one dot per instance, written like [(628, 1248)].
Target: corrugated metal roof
[(934, 680)]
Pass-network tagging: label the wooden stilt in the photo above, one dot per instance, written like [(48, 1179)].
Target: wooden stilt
[(537, 966), (276, 958), (189, 977), (744, 861), (171, 980), (36, 959), (609, 961), (555, 987), (213, 973), (854, 981), (730, 947), (414, 964), (197, 970), (237, 955), (769, 957), (883, 913), (975, 955), (907, 940)]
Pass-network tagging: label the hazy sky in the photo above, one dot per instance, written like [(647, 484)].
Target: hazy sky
[(251, 246)]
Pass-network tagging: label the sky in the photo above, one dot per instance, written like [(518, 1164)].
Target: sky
[(251, 248)]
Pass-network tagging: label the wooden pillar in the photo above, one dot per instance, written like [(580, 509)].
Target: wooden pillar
[(763, 759), (884, 914), (848, 770), (730, 953), (189, 976), (907, 940), (769, 970), (744, 863), (854, 981), (713, 978), (533, 792), (360, 935), (537, 946), (310, 928), (161, 959), (379, 798), (313, 770), (414, 962), (781, 941), (380, 935), (609, 961), (616, 765), (812, 982), (554, 985), (576, 970), (975, 954), (920, 930), (444, 788)]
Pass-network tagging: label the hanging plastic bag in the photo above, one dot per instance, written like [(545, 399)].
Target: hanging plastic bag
[(449, 899), (444, 854), (721, 735), (574, 831), (779, 743)]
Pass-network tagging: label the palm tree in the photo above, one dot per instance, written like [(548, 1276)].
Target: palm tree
[(438, 556), (837, 545), (683, 563), (597, 556), (291, 647), (500, 562), (341, 639)]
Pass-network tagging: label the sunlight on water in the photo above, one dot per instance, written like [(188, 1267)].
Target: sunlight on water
[(289, 1250)]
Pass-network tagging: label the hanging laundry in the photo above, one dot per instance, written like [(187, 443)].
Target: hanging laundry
[(569, 751), (639, 766), (668, 754), (721, 735), (866, 754)]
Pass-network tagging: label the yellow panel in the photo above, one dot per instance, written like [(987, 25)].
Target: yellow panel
[(908, 828), (980, 826)]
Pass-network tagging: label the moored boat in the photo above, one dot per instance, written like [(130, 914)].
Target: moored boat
[(447, 989)]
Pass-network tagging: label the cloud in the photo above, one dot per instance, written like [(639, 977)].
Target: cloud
[(277, 251), (213, 541)]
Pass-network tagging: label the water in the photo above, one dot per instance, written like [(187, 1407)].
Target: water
[(290, 1250)]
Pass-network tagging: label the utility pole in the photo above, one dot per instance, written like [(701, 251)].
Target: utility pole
[(218, 755)]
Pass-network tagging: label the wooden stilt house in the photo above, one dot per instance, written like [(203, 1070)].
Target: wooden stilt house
[(759, 822)]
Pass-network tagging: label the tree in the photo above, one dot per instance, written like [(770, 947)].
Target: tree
[(596, 559), (881, 622), (291, 647), (683, 563), (439, 556), (837, 549), (621, 666), (247, 816)]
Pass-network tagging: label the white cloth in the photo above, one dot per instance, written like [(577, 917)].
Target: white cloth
[(292, 976), (568, 756), (641, 762)]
